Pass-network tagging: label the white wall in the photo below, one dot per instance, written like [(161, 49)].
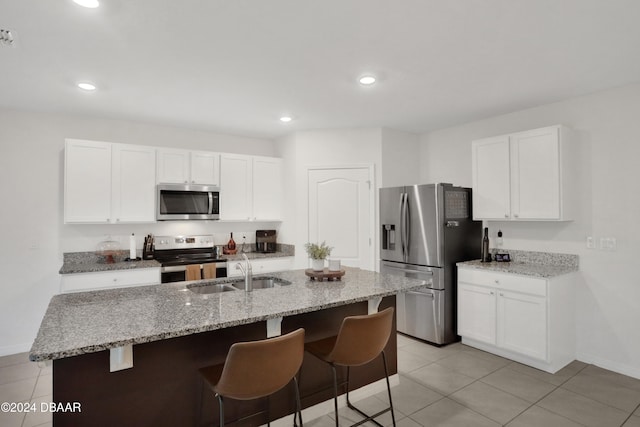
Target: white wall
[(400, 162), (608, 300), (321, 148), (31, 186)]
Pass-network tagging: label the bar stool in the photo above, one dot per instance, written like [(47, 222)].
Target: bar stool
[(257, 369), (360, 340)]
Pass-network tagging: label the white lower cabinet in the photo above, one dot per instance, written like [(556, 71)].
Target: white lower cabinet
[(523, 318), (109, 279), (261, 266)]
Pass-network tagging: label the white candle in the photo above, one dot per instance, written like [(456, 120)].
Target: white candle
[(132, 247)]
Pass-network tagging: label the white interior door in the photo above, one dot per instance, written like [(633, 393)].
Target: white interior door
[(340, 202)]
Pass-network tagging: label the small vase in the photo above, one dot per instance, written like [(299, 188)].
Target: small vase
[(317, 264)]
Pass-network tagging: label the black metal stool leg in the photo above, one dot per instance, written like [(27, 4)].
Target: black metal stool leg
[(386, 375), (335, 394), (221, 407), (372, 417), (298, 412)]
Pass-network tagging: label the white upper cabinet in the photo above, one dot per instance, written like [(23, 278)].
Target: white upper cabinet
[(133, 183), (268, 188), (235, 187), (108, 183), (173, 166), (205, 168), (251, 188), (491, 188), (87, 181), (188, 167), (525, 176)]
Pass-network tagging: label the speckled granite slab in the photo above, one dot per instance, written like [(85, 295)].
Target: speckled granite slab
[(88, 262), (527, 263), (88, 322)]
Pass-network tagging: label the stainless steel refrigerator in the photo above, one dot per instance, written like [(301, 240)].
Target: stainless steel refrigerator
[(426, 230)]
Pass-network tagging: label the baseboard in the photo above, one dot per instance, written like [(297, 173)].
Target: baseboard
[(14, 349), (621, 368), (323, 408)]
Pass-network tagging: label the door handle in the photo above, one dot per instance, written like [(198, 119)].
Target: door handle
[(422, 294)]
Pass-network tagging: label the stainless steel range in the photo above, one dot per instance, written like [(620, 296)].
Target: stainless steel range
[(175, 253)]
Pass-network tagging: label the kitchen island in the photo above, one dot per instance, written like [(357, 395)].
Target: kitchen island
[(130, 356)]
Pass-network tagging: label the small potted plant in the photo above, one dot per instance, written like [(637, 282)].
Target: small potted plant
[(318, 253)]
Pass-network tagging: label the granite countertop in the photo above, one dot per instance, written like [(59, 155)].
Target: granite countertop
[(88, 322), (89, 262), (527, 263)]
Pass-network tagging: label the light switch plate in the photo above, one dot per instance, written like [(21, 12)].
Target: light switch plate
[(591, 244)]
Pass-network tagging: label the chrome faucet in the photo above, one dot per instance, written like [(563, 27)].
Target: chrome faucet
[(247, 272)]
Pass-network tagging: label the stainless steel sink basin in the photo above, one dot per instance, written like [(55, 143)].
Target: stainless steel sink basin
[(263, 283), (211, 289)]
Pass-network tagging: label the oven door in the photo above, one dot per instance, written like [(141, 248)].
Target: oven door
[(178, 273), (187, 202)]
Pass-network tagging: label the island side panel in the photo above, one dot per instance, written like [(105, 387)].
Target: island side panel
[(164, 388)]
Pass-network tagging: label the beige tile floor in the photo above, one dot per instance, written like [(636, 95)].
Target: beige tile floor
[(453, 386)]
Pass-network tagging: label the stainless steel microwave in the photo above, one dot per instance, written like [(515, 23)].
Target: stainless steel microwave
[(179, 202)]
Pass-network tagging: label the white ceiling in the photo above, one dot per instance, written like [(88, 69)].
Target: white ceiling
[(236, 66)]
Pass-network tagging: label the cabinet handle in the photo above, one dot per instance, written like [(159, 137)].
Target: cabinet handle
[(186, 182), (115, 280), (117, 219), (193, 181), (516, 215), (501, 294), (506, 215), (491, 293), (497, 282)]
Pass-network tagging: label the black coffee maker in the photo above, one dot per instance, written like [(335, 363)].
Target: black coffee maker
[(265, 241)]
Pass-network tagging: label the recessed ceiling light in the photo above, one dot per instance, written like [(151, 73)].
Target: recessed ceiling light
[(89, 87), (88, 3), (367, 80), (285, 119)]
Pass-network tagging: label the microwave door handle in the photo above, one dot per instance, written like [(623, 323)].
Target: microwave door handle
[(210, 211)]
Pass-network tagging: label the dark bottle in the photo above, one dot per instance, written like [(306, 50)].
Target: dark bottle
[(486, 256), (231, 244)]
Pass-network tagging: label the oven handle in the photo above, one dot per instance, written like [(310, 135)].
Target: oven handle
[(174, 268)]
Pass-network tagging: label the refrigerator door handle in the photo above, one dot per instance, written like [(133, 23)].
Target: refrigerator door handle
[(407, 270), (402, 224), (407, 226), (422, 294)]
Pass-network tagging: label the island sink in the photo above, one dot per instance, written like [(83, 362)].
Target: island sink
[(214, 288), (263, 283), (258, 283)]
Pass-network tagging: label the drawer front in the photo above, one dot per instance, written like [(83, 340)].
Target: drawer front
[(505, 281), (111, 279)]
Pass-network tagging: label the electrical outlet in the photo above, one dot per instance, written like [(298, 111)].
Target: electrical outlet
[(608, 243), (591, 244)]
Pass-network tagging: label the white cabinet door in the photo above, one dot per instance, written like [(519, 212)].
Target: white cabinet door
[(525, 176), (236, 187), (205, 168), (133, 183), (173, 166), (267, 188), (522, 324), (477, 313), (87, 182), (535, 174), (490, 174)]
